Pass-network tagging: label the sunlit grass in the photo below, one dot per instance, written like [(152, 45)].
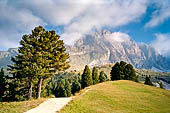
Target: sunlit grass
[(121, 97), (19, 107)]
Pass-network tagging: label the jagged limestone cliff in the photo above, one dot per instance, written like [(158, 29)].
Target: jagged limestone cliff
[(106, 47)]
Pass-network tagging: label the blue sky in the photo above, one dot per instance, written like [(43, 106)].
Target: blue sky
[(145, 21), (140, 33)]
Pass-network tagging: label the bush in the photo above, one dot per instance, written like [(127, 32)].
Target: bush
[(148, 81), (161, 85)]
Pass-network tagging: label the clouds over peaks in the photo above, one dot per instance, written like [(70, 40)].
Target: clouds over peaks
[(77, 17), (161, 14), (162, 44)]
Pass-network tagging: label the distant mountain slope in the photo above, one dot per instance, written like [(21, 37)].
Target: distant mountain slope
[(106, 47), (120, 97), (103, 48), (156, 77), (5, 57)]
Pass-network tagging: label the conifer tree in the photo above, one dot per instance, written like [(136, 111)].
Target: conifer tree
[(67, 89), (60, 89), (130, 73), (161, 85), (124, 71), (102, 76), (63, 89), (106, 77), (122, 66), (115, 72), (148, 81), (3, 83), (95, 75), (40, 56), (76, 86), (86, 77)]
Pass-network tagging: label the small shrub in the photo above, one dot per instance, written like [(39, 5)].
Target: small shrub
[(102, 77), (148, 81), (161, 85)]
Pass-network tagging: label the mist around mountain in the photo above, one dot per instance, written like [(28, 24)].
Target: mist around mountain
[(105, 47)]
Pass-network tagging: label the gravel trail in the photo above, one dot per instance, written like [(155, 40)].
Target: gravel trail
[(52, 105)]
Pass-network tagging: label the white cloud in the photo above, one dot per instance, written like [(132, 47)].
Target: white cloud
[(14, 23), (77, 17), (71, 37), (9, 39), (162, 44), (110, 13), (118, 37), (161, 14)]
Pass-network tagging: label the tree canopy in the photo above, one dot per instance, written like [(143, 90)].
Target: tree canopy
[(148, 81), (102, 77), (95, 75), (86, 77), (40, 56), (124, 71), (3, 83)]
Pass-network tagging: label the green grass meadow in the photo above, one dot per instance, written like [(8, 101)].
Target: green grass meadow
[(121, 97)]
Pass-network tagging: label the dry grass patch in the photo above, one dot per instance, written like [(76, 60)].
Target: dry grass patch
[(19, 107)]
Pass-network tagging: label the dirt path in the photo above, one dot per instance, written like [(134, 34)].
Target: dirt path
[(84, 92), (53, 105)]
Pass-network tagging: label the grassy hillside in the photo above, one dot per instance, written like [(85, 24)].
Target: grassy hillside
[(19, 107), (121, 97)]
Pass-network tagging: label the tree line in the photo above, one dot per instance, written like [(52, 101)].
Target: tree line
[(63, 84), (67, 86)]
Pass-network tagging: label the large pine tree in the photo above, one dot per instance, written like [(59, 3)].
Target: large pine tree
[(86, 77), (40, 56)]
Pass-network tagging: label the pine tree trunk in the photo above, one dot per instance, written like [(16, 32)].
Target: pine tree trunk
[(30, 92), (39, 88)]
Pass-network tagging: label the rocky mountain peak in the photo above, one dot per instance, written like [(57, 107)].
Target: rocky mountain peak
[(106, 47)]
